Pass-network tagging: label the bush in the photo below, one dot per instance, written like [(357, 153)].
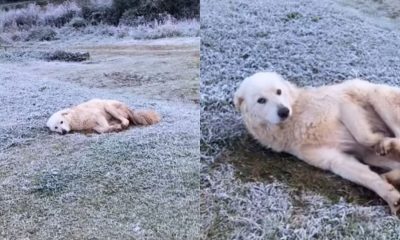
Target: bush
[(181, 8), (150, 19), (20, 18), (150, 10), (59, 15), (41, 34), (78, 22), (67, 56), (33, 15)]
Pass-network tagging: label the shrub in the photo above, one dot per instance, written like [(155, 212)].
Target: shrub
[(20, 18), (150, 10), (59, 15), (77, 22), (67, 56), (34, 15), (41, 34), (181, 8), (135, 18)]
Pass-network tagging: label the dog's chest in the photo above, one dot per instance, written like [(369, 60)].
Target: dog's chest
[(88, 119), (313, 122)]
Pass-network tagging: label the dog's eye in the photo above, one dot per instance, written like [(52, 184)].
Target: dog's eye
[(61, 122), (262, 100), (279, 92), (55, 127)]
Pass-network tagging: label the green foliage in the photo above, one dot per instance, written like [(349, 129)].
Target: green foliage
[(148, 10)]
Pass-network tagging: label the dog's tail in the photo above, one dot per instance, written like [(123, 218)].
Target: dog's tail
[(144, 117)]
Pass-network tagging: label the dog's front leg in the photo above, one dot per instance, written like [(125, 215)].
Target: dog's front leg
[(351, 169)]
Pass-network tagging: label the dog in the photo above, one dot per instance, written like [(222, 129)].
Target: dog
[(343, 128), (101, 116)]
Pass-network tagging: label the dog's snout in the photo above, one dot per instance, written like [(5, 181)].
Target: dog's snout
[(283, 112), (63, 132)]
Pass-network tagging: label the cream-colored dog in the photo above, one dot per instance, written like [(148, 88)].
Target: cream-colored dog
[(342, 128), (100, 116)]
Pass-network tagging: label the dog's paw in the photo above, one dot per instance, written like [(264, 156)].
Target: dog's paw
[(395, 207), (125, 123), (388, 145), (118, 127), (393, 199), (384, 146)]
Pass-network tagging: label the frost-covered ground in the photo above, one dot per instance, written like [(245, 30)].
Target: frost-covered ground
[(248, 192), (142, 183)]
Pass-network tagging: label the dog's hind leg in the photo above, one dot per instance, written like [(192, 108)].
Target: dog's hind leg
[(392, 177), (380, 161), (351, 169), (118, 114), (104, 127), (386, 102), (354, 117)]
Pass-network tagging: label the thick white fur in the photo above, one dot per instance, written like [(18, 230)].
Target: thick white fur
[(342, 128)]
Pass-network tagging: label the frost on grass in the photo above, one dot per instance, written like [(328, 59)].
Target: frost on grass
[(232, 209), (311, 43)]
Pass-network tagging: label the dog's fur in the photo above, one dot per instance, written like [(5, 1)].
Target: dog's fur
[(342, 128), (100, 116)]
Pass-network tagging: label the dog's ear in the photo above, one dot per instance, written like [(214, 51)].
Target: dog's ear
[(292, 88), (238, 98), (65, 112)]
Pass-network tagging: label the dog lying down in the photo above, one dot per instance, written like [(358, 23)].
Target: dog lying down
[(342, 128), (101, 116)]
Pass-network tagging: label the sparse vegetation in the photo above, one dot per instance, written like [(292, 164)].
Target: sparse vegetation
[(41, 34), (120, 18)]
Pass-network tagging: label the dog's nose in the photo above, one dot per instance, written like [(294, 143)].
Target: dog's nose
[(63, 132), (283, 112)]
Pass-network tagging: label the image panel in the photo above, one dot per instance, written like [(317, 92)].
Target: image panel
[(274, 92), (99, 119)]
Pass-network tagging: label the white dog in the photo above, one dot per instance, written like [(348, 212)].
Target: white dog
[(101, 116), (340, 128)]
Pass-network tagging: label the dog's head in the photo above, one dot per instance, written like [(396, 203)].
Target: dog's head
[(266, 96), (58, 122)]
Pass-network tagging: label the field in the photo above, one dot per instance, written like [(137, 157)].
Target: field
[(142, 183), (248, 192)]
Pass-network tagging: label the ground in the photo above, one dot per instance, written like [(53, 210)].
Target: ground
[(136, 184), (248, 192)]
